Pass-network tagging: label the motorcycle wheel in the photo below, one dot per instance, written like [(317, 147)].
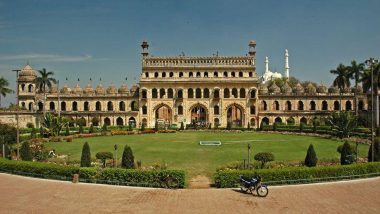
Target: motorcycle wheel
[(244, 189), (262, 191)]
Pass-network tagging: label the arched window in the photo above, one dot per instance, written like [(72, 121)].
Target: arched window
[(348, 106), (278, 120), (51, 105), (216, 93), (250, 74), (171, 74), (63, 106), (288, 105), (240, 74), (30, 88), (300, 105), (40, 106), (226, 93), (276, 105), (235, 93), (198, 74), (180, 74), (180, 94), (361, 105), (215, 74), (144, 94), (265, 121), (252, 109), (119, 121), (190, 74), (107, 121), (190, 93), (22, 87), (242, 93), (162, 93), (324, 105), (86, 106), (336, 106), (155, 74), (264, 106), (198, 93), (163, 74), (146, 74), (225, 74), (75, 106), (206, 93), (98, 106), (205, 74), (144, 110), (134, 106), (180, 110), (253, 93), (170, 93), (303, 120), (110, 106), (216, 110), (121, 106), (31, 107), (154, 93), (312, 106), (233, 74)]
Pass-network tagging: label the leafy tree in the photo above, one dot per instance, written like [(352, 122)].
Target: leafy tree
[(264, 157), (311, 157), (103, 156), (45, 80), (128, 160), (85, 160), (366, 77), (4, 90), (346, 156), (7, 134), (377, 151), (26, 152), (343, 77), (342, 123), (81, 122)]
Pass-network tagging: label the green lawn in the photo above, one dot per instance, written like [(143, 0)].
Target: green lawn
[(182, 150)]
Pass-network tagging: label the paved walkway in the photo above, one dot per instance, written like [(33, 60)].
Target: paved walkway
[(29, 195)]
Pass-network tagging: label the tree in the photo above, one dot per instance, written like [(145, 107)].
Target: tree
[(342, 80), (80, 129), (103, 156), (85, 160), (311, 157), (356, 71), (53, 124), (346, 156), (128, 160), (4, 90), (26, 152), (67, 133), (104, 129), (7, 134), (45, 80), (366, 77), (264, 157), (377, 151), (342, 123), (91, 129)]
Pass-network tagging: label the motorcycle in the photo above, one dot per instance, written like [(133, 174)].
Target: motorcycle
[(252, 184)]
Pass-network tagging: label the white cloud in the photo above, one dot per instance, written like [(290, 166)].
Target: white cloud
[(46, 57)]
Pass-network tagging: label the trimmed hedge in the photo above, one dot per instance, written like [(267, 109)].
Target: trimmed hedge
[(116, 176), (230, 178)]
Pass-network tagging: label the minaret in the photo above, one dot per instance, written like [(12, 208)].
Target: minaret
[(145, 47), (266, 65), (286, 64)]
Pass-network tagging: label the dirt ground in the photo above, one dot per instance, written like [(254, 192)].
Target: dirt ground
[(29, 195)]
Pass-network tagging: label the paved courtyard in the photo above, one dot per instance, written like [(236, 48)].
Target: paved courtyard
[(29, 195)]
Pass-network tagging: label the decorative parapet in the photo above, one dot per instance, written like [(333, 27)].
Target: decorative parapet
[(183, 61)]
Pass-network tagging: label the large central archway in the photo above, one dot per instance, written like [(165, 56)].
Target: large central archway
[(199, 115), (163, 114), (235, 115)]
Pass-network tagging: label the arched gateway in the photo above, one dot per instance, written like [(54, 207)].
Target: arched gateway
[(199, 115), (235, 115)]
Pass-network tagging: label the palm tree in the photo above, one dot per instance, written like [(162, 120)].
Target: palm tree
[(356, 71), (342, 80), (4, 90), (366, 77), (45, 80)]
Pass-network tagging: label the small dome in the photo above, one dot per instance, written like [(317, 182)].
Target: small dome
[(358, 89), (53, 89), (286, 89), (100, 90), (134, 89), (347, 90), (310, 89), (77, 89), (322, 89), (333, 90), (299, 89), (66, 89), (263, 89), (27, 74), (124, 89), (274, 88), (88, 90), (111, 89)]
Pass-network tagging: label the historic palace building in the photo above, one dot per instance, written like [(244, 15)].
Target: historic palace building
[(209, 90)]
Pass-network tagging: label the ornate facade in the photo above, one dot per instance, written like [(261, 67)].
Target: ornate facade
[(212, 90)]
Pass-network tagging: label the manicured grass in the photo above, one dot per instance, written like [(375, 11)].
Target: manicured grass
[(182, 150)]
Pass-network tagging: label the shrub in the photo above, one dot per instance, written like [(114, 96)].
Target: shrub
[(41, 131), (33, 133), (229, 126), (346, 156), (103, 156), (377, 151), (80, 129), (7, 133), (249, 126), (104, 129), (26, 152), (264, 157), (30, 125), (67, 133), (85, 160), (143, 127), (302, 127), (275, 127), (128, 160), (311, 158), (182, 126), (91, 130)]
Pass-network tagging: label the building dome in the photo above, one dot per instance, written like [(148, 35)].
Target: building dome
[(263, 89), (134, 89), (286, 89), (333, 90), (111, 89), (274, 88), (347, 90), (100, 89), (358, 89), (310, 89), (77, 89), (53, 89), (66, 89), (88, 90), (124, 89), (299, 89), (322, 89), (27, 74)]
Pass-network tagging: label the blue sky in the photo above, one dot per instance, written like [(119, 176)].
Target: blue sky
[(101, 39)]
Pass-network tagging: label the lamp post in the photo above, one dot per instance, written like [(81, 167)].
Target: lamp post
[(249, 155), (370, 63), (17, 125), (115, 147)]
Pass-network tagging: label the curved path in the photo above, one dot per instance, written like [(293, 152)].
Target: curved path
[(29, 195)]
